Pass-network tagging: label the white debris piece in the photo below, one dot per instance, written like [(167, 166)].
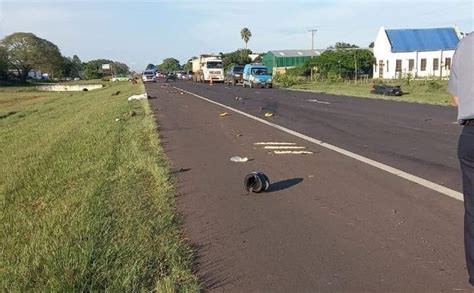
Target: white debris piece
[(138, 97), (238, 159)]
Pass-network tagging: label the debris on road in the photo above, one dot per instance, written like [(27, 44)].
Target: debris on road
[(238, 134), (223, 114), (256, 182), (138, 97), (269, 114), (238, 159), (292, 152)]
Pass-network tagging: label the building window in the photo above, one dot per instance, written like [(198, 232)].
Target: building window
[(447, 63), (398, 65), (387, 66), (411, 64), (435, 64), (423, 64)]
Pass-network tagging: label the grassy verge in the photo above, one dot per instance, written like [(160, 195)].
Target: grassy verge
[(417, 91), (87, 202)]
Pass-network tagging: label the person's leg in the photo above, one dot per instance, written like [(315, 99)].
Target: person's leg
[(466, 158)]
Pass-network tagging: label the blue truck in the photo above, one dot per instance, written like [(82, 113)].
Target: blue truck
[(257, 75)]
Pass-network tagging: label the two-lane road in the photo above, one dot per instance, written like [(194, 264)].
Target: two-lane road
[(418, 139), (329, 223)]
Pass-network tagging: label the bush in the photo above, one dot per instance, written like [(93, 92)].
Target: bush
[(288, 80), (432, 85)]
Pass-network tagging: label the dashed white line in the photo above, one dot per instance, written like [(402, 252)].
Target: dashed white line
[(274, 143), (318, 101), (292, 152), (412, 178), (289, 147)]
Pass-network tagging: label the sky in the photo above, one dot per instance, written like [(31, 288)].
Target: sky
[(141, 32)]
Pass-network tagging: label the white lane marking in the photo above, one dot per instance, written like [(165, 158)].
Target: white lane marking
[(293, 152), (318, 101), (271, 147), (274, 143), (412, 178)]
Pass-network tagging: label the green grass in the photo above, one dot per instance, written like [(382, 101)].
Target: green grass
[(87, 201), (417, 91)]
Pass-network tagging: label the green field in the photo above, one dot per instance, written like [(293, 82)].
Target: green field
[(418, 91), (87, 201)]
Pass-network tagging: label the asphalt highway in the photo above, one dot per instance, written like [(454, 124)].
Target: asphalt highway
[(328, 223)]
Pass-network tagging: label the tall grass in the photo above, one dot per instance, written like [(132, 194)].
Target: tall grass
[(86, 201)]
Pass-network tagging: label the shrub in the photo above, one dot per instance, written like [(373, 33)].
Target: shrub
[(432, 85), (288, 80)]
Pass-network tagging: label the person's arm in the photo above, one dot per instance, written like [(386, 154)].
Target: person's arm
[(455, 100)]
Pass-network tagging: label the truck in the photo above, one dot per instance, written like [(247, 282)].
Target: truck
[(208, 67)]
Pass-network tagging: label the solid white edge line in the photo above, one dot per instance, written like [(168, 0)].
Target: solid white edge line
[(415, 179)]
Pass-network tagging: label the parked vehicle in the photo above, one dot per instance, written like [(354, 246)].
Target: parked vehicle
[(256, 75), (170, 76), (386, 90), (234, 75), (207, 68), (121, 78), (149, 76)]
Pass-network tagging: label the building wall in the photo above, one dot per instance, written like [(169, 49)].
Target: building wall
[(384, 56)]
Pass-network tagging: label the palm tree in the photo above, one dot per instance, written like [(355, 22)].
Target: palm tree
[(245, 34)]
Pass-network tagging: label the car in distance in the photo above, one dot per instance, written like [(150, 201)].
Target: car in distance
[(386, 90), (149, 76), (256, 75), (121, 78), (234, 75)]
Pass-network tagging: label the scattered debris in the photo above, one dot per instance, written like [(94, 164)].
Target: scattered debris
[(224, 114), (269, 114), (238, 159), (117, 119), (256, 182), (238, 134), (138, 97), (238, 99), (181, 93), (292, 152), (165, 85), (290, 147), (116, 93)]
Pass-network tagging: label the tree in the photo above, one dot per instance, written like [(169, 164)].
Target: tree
[(245, 34), (150, 67), (120, 68), (25, 52), (3, 63), (343, 45), (168, 65), (236, 57)]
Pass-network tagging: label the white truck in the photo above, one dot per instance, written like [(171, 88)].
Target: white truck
[(207, 68)]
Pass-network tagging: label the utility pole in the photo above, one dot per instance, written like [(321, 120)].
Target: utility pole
[(313, 31)]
